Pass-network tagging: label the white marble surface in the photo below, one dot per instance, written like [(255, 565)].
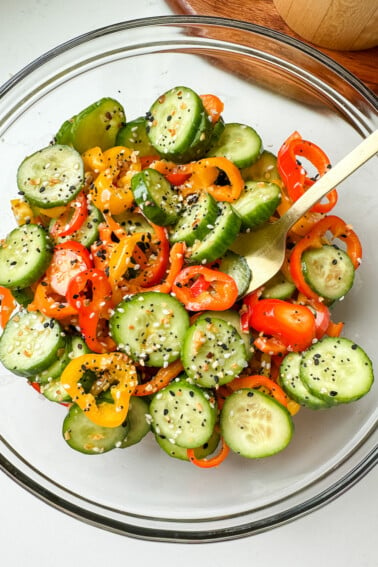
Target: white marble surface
[(34, 534)]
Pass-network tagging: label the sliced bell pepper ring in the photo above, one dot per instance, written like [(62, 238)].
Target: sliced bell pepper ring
[(258, 381), (111, 191), (122, 377), (291, 324), (94, 160), (314, 239), (7, 305), (210, 462), (221, 293), (160, 380), (90, 293), (203, 178), (213, 106), (95, 332), (121, 258), (50, 303), (176, 262), (158, 259), (69, 258), (294, 175), (72, 219)]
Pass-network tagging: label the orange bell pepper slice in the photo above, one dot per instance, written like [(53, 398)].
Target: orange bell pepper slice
[(212, 461), (203, 178), (7, 305), (213, 106), (50, 303), (161, 379)]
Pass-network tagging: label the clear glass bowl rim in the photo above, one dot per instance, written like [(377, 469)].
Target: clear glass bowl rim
[(175, 534)]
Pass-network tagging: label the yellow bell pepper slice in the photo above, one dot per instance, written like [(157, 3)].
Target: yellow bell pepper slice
[(111, 189), (120, 373)]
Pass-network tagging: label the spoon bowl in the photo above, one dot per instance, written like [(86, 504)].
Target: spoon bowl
[(264, 248)]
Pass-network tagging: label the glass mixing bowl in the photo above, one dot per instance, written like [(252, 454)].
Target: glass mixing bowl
[(277, 85)]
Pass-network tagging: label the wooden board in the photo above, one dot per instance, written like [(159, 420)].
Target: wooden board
[(363, 64)]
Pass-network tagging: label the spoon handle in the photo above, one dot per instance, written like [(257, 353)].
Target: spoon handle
[(352, 161)]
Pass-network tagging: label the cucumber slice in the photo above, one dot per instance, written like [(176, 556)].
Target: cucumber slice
[(30, 343), (150, 327), (264, 169), (64, 135), (218, 240), (213, 352), (218, 129), (55, 392), (96, 125), (233, 318), (173, 122), (133, 222), (138, 425), (257, 203), (196, 220), (177, 452), (88, 232), (202, 140), (85, 436), (278, 288), (133, 135), (51, 386), (239, 143), (237, 267), (294, 387), (255, 425), (329, 271), (51, 177), (155, 197), (55, 369), (336, 370), (24, 256), (184, 414)]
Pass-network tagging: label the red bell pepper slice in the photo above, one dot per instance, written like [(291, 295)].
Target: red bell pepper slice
[(153, 273), (72, 219), (313, 239), (293, 325), (69, 258), (220, 294), (294, 175), (89, 292)]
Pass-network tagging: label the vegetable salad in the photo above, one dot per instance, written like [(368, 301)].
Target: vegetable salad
[(122, 299)]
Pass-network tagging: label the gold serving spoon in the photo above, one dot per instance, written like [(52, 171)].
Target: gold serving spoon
[(264, 248)]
